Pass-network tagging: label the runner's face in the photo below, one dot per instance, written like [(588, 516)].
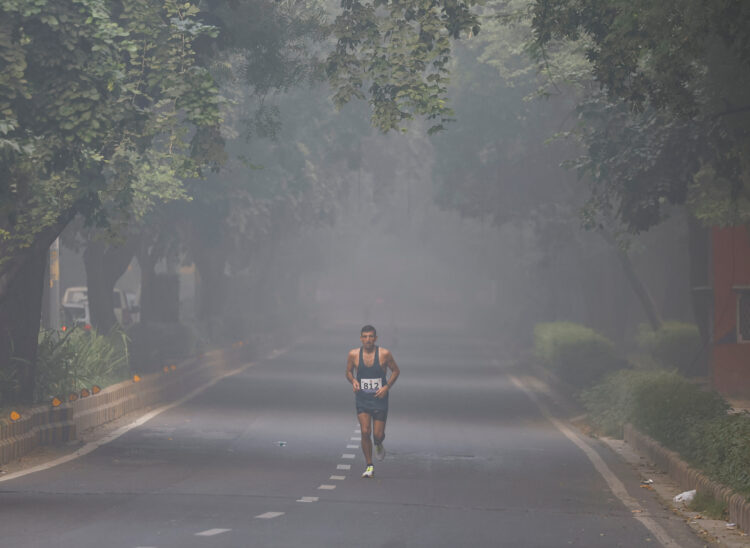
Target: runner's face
[(368, 339)]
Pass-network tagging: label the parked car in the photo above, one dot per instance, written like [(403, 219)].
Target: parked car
[(76, 313), (75, 305)]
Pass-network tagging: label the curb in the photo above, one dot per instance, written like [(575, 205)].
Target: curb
[(687, 477), (46, 425)]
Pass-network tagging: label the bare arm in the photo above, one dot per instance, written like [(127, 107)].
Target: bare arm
[(350, 367), (389, 363)]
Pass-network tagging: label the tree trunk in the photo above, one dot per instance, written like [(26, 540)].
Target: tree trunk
[(147, 259), (210, 282), (20, 317), (638, 287), (105, 263), (21, 288)]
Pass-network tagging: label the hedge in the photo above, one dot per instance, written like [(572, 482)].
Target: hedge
[(579, 355), (673, 345), (679, 414)]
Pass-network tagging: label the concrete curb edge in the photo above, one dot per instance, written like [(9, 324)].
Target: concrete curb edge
[(687, 477)]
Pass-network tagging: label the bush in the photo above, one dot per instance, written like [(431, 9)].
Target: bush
[(680, 415), (611, 404), (77, 359), (673, 345), (579, 355), (721, 447), (155, 344), (668, 408)]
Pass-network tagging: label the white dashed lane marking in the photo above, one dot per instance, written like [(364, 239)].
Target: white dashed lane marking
[(347, 456), (211, 532), (343, 467), (338, 478), (354, 438), (352, 446), (270, 515), (327, 487), (308, 499)]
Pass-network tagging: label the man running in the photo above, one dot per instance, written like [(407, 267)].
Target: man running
[(371, 387)]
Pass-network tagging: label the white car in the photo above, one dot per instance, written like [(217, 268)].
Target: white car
[(75, 304)]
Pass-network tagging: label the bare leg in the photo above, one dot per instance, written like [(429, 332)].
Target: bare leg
[(378, 431), (365, 426)]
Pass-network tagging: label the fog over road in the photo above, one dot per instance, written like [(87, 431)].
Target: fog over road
[(261, 460)]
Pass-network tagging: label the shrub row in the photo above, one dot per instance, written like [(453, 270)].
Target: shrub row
[(679, 414), (580, 356), (577, 354), (659, 401), (675, 345)]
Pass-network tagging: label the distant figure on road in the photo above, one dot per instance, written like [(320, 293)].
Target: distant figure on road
[(367, 369)]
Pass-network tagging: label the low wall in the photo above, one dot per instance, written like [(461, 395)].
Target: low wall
[(689, 478), (47, 425)]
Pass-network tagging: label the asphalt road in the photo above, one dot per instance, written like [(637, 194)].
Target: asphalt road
[(270, 458)]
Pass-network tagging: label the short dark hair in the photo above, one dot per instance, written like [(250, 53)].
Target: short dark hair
[(369, 329)]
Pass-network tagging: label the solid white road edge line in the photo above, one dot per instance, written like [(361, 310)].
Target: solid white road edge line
[(93, 445), (615, 485)]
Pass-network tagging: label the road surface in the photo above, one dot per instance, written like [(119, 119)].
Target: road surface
[(270, 457)]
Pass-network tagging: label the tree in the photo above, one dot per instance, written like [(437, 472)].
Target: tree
[(683, 69), (96, 99), (401, 50)]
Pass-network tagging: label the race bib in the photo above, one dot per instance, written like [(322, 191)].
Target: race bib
[(371, 385)]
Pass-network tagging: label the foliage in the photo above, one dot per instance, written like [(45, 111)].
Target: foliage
[(674, 345), (709, 506), (673, 108), (97, 103), (666, 408), (78, 359), (264, 50), (680, 415), (611, 402), (102, 106), (401, 50), (721, 446), (579, 355), (9, 384), (651, 52), (638, 164)]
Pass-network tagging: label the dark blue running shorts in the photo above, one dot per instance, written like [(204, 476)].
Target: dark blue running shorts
[(377, 414)]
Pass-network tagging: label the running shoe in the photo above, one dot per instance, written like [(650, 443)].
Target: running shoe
[(379, 451), (369, 472)]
